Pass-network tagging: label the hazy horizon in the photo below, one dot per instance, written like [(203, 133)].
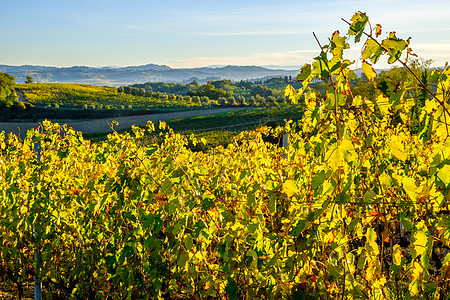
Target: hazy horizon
[(203, 33), (274, 67)]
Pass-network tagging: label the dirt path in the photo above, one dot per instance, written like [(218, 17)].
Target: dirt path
[(100, 125)]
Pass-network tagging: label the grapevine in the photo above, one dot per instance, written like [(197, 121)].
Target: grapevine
[(355, 208)]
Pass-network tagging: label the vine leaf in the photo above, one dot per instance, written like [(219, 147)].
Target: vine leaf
[(372, 51), (359, 21), (368, 71), (409, 185), (305, 71), (378, 30), (444, 174), (397, 148), (290, 187), (414, 285), (394, 46), (372, 246), (397, 255), (383, 104), (291, 94)]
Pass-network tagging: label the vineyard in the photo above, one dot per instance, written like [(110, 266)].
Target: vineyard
[(356, 207), (91, 97), (220, 128)]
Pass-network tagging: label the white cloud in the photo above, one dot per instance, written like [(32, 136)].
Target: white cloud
[(438, 52)]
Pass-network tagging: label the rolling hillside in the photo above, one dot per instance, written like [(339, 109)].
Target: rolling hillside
[(111, 76)]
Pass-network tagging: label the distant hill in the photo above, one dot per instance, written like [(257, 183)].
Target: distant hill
[(116, 76)]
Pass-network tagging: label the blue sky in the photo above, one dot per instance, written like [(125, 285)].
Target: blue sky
[(200, 33)]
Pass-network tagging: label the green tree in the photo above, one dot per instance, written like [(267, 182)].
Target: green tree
[(271, 100), (195, 99), (240, 99), (29, 79), (362, 87), (205, 99), (8, 95), (211, 92), (251, 101), (231, 101), (387, 81), (127, 89)]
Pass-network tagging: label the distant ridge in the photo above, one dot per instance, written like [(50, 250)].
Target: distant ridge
[(116, 76)]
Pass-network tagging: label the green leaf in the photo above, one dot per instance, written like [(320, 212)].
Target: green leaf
[(251, 200), (372, 51), (110, 259), (359, 21), (404, 221), (231, 289), (183, 259), (254, 257), (357, 101), (151, 149), (305, 72), (369, 195), (318, 179), (394, 47), (272, 204), (188, 241), (338, 44)]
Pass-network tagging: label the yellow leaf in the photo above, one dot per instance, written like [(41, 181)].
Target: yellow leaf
[(397, 256), (290, 187), (341, 155), (291, 93), (369, 103), (444, 174), (397, 148), (430, 105), (421, 239), (357, 101), (414, 285), (383, 104), (385, 180), (409, 185), (372, 246), (352, 122), (379, 284), (310, 97), (368, 71), (441, 131)]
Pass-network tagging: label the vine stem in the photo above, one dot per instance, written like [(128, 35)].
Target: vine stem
[(318, 42)]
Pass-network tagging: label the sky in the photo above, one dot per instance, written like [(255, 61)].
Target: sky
[(196, 33)]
